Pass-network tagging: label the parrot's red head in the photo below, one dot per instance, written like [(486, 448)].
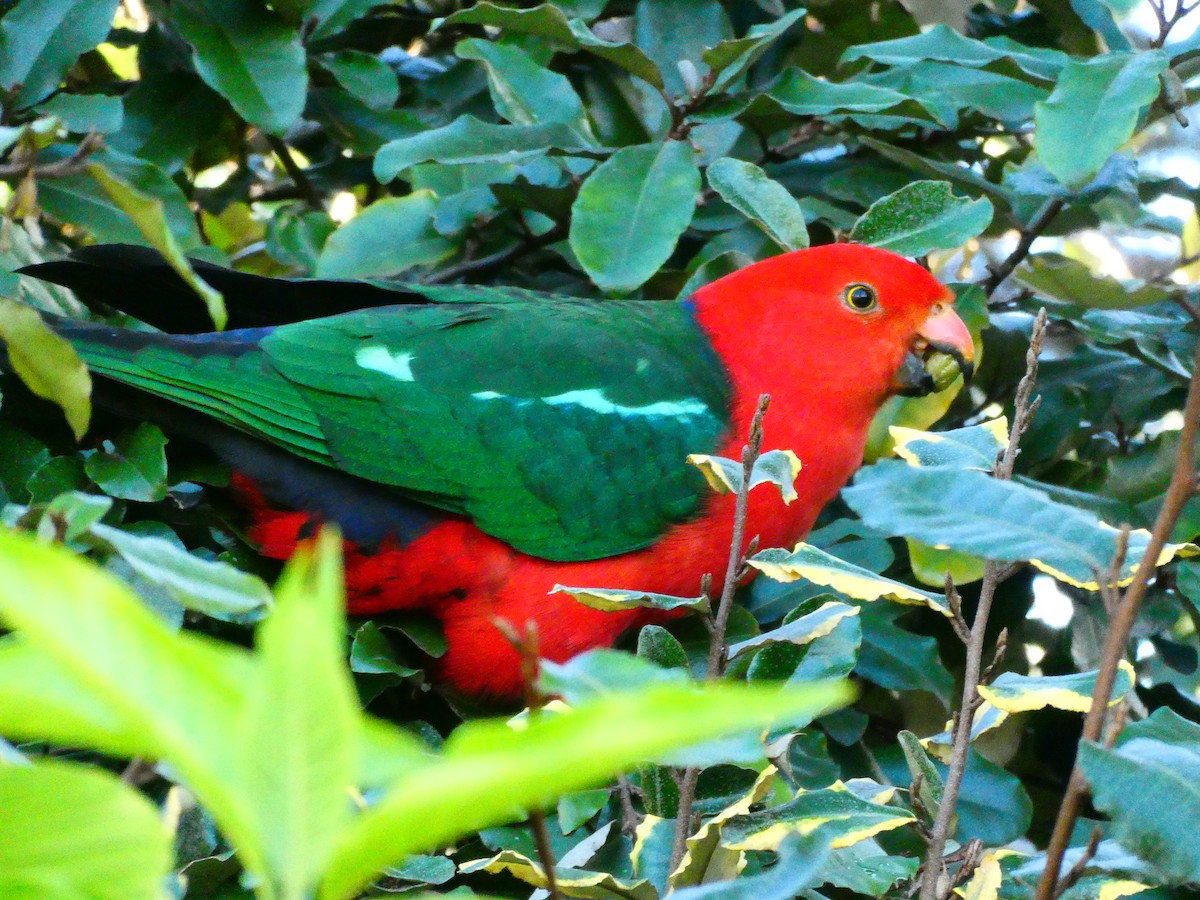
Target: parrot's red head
[(846, 319)]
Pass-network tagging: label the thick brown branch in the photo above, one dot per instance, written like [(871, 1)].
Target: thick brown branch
[(1180, 490)]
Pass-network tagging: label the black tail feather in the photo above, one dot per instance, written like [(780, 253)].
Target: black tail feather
[(139, 282)]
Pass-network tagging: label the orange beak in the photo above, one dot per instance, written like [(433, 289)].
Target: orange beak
[(942, 332)]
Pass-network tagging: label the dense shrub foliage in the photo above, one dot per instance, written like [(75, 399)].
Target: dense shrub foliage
[(1033, 153)]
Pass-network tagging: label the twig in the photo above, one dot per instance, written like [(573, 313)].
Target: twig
[(629, 816), (717, 645), (297, 174), (1024, 408), (497, 260), (1165, 24), (1180, 490), (72, 165), (1081, 864), (1029, 234)]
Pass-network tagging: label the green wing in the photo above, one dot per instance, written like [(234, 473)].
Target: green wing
[(559, 427)]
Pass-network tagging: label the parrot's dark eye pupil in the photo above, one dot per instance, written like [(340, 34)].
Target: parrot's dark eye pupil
[(860, 297)]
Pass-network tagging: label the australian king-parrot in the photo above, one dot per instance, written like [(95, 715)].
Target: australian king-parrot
[(480, 445)]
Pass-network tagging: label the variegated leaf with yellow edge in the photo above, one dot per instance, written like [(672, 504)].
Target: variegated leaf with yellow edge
[(571, 882), (815, 565), (777, 467), (985, 881), (611, 600), (852, 818), (985, 719), (706, 858), (1012, 693), (804, 630), (1015, 693), (974, 447)]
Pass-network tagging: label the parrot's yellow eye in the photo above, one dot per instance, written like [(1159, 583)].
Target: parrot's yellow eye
[(861, 297)]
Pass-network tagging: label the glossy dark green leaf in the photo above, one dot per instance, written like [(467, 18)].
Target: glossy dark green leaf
[(86, 112), (167, 116), (767, 203), (468, 140), (944, 44), (731, 58), (548, 21), (802, 94), (1093, 111), (249, 55), (133, 466), (1149, 784), (631, 211), (371, 653), (676, 34), (387, 237), (40, 39), (364, 76), (922, 217), (898, 659), (525, 92), (969, 511)]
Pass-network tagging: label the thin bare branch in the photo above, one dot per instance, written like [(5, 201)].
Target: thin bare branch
[(1029, 234), (298, 175), (1180, 490), (933, 869), (72, 165), (717, 644)]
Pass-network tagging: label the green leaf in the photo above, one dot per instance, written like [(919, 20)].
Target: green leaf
[(729, 59), (208, 586), (944, 44), (488, 770), (815, 565), (804, 95), (602, 673), (167, 116), (800, 631), (1149, 785), (364, 76), (86, 112), (300, 722), (249, 55), (548, 21), (134, 467), (1071, 281), (371, 653), (609, 600), (523, 91), (675, 34), (767, 203), (1093, 111), (922, 217), (67, 831), (389, 236), (897, 659), (46, 363), (660, 647), (923, 771), (631, 211), (148, 214), (468, 140), (121, 677), (799, 867), (41, 39), (969, 511)]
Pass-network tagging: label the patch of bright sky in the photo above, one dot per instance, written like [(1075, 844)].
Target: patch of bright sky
[(1050, 604)]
